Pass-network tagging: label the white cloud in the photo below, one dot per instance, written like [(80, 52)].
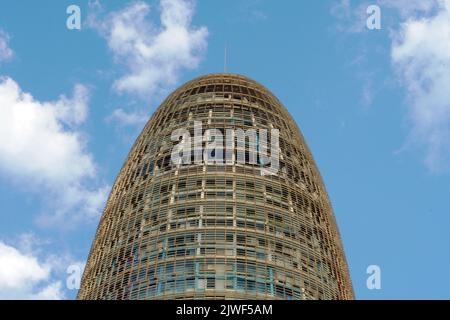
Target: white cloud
[(5, 51), (352, 15), (41, 145), (74, 203), (421, 56), (153, 55), (406, 8), (73, 111), (23, 276), (351, 19), (33, 140), (251, 11), (128, 118), (368, 93)]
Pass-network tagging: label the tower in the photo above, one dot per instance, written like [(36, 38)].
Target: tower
[(199, 229)]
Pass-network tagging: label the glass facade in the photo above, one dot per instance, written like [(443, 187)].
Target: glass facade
[(208, 231)]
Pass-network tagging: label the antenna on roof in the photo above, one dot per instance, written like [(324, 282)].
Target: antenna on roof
[(225, 59)]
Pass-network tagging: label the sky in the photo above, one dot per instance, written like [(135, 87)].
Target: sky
[(373, 105)]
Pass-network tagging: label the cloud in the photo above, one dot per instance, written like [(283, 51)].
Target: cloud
[(74, 204), (73, 111), (251, 11), (350, 19), (367, 94), (42, 146), (5, 51), (24, 276), (153, 56), (33, 140), (421, 56), (406, 8), (30, 270), (128, 118)]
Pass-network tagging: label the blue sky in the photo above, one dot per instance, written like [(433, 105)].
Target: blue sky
[(374, 107)]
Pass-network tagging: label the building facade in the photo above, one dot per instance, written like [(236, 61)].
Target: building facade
[(210, 230)]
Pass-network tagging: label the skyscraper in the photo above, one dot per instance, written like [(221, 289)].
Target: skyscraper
[(204, 229)]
